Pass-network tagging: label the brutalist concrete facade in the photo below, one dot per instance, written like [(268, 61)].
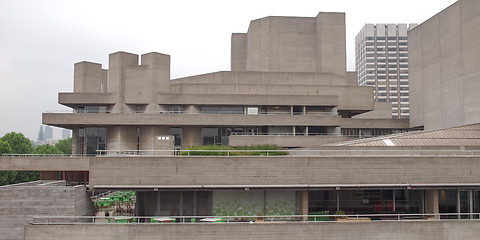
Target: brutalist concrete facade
[(288, 78), (444, 73)]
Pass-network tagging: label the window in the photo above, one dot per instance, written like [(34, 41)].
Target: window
[(222, 109), (91, 139), (176, 109)]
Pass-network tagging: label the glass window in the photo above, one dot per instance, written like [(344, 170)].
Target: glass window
[(91, 139), (222, 109), (176, 109)]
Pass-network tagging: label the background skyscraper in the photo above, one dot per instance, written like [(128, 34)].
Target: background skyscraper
[(48, 132), (381, 61), (66, 133)]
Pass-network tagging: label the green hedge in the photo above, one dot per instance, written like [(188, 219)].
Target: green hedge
[(253, 150)]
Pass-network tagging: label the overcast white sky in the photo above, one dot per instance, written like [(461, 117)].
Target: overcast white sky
[(41, 40)]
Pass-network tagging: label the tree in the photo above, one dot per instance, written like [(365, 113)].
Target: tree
[(47, 149), (18, 143), (5, 147), (65, 146)]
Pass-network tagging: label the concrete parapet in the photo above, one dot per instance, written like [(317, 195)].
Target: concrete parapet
[(412, 230)]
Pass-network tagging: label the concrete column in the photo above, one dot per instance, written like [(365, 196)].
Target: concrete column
[(192, 136), (192, 109), (74, 141), (122, 138), (431, 202), (304, 199), (149, 140), (117, 65)]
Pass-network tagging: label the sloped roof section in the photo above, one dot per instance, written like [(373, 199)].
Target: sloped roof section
[(468, 135)]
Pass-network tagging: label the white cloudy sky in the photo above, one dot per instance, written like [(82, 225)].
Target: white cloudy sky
[(41, 40)]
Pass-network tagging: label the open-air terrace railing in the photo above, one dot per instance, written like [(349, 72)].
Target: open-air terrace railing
[(266, 153), (202, 112), (52, 220)]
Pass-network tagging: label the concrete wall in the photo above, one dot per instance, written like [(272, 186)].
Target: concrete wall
[(242, 171), (412, 230), (248, 99), (72, 99), (265, 78), (292, 44), (125, 136), (381, 110), (44, 163), (349, 97), (89, 78), (374, 123), (284, 141), (444, 59), (20, 202)]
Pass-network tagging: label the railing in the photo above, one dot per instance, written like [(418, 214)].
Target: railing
[(245, 113), (261, 152), (47, 155), (52, 220), (287, 134), (201, 112)]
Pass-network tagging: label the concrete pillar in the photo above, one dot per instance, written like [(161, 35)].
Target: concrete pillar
[(192, 109), (74, 141), (192, 136), (117, 70), (149, 140), (122, 138), (431, 202), (304, 203)]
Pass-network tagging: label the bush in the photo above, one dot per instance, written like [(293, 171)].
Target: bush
[(219, 150)]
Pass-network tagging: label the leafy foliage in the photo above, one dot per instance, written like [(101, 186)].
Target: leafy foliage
[(18, 143), (65, 146), (5, 148), (47, 149), (252, 150)]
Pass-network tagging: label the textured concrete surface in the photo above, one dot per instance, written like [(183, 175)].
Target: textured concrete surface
[(19, 203), (44, 163), (284, 141), (444, 59), (425, 230), (184, 171)]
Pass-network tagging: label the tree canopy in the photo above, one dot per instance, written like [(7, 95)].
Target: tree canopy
[(5, 147), (18, 143), (47, 149), (65, 146)]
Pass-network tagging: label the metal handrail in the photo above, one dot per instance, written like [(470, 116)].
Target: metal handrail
[(262, 152), (201, 112), (395, 217)]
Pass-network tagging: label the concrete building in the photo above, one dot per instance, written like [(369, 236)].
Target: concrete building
[(381, 61), (444, 73), (285, 88)]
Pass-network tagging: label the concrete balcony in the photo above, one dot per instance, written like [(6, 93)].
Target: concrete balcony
[(375, 123), (284, 141), (86, 119), (74, 99), (283, 171), (39, 163), (248, 99)]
